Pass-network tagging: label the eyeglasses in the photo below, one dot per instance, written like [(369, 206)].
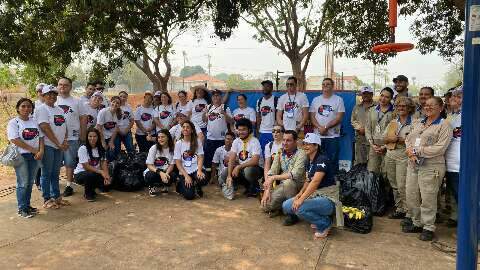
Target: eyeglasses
[(276, 131), (290, 84), (99, 88)]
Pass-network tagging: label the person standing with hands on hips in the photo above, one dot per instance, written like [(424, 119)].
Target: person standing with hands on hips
[(292, 108)]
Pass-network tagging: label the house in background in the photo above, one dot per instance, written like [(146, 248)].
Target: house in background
[(176, 84)]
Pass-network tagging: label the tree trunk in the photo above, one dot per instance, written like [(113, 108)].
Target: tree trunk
[(299, 74), (157, 84)]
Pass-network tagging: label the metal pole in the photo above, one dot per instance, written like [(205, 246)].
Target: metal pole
[(467, 242)]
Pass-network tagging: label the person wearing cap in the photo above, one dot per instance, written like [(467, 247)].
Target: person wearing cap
[(145, 123), (76, 120), (425, 94), (92, 107), (38, 91), (266, 109), (125, 125), (358, 120), (452, 155), (377, 121), (157, 101), (100, 86), (218, 116), (200, 101), (426, 145), (89, 91), (401, 86), (176, 131), (292, 108), (244, 161), (396, 158), (285, 177), (52, 122), (318, 201), (326, 114)]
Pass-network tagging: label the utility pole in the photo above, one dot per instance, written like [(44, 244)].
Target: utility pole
[(209, 64), (374, 77), (277, 79), (184, 65)]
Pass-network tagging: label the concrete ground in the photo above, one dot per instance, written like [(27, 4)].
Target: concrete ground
[(134, 231)]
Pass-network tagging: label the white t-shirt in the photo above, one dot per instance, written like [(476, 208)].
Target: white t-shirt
[(144, 115), (267, 112), (83, 157), (217, 124), (108, 120), (189, 161), (176, 131), (73, 108), (27, 131), (91, 115), (247, 113), (161, 160), (292, 106), (126, 118), (84, 99), (326, 109), (452, 155), (185, 109), (253, 148), (38, 102), (56, 118), (271, 153), (221, 158), (166, 115), (198, 105)]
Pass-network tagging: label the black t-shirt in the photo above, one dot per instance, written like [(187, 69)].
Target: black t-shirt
[(320, 163)]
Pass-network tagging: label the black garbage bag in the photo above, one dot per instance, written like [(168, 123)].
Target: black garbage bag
[(372, 185), (129, 181), (127, 171), (353, 223)]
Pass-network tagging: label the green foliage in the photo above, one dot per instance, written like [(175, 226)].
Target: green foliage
[(30, 75), (7, 78), (237, 81), (222, 76), (188, 71)]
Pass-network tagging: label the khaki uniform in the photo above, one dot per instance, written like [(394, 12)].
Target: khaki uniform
[(418, 113), (376, 124), (424, 179), (358, 120), (396, 161), (288, 188)]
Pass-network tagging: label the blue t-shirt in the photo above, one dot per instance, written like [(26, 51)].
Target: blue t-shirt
[(321, 163)]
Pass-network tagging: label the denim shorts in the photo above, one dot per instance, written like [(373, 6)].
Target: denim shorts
[(70, 157)]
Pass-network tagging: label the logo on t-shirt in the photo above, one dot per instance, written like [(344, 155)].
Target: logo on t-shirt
[(164, 114), (66, 109), (290, 106), (265, 110), (109, 125), (94, 161), (200, 107), (160, 162), (225, 161), (457, 132), (325, 110), (126, 115), (238, 117), (101, 106), (243, 155), (90, 119), (58, 120), (29, 133), (213, 116), (146, 117), (187, 156)]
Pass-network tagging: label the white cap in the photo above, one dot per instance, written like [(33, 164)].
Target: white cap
[(49, 88), (312, 138), (97, 94), (366, 89), (40, 86), (158, 93), (458, 90)]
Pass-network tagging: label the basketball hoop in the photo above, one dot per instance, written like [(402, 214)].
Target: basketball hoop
[(392, 47)]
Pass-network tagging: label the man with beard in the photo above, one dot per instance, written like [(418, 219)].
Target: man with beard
[(401, 86), (425, 94), (266, 112)]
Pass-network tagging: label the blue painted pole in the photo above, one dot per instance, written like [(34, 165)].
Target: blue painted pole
[(468, 205)]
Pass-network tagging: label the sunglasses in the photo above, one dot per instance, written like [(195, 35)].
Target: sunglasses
[(99, 88)]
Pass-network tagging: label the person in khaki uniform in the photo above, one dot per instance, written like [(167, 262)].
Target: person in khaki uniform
[(426, 145), (396, 158), (358, 120), (377, 121), (286, 176), (425, 94)]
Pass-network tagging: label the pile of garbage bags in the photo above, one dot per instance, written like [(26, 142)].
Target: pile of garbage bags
[(127, 171)]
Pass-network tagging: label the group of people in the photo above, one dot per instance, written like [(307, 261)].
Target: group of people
[(265, 149), (415, 145)]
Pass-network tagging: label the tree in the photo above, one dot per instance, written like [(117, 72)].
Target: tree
[(7, 78), (191, 70), (237, 81), (222, 76)]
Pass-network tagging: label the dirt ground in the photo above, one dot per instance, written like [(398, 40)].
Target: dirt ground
[(134, 231)]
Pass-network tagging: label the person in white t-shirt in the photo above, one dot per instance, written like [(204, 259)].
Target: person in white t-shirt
[(157, 101), (183, 105), (326, 114), (200, 101), (100, 86), (292, 108), (160, 165), (92, 168), (38, 90), (220, 164), (246, 153), (188, 156), (107, 124), (266, 113), (76, 120), (176, 131), (52, 122), (272, 148), (92, 107), (218, 117), (125, 125), (244, 112), (144, 115), (165, 116), (89, 90), (24, 133)]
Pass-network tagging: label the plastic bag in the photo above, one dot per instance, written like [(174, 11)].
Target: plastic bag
[(363, 224), (372, 185), (130, 181), (127, 171)]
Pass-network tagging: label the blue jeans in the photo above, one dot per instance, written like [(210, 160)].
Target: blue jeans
[(315, 211), (111, 155), (209, 149), (127, 140), (70, 157), (26, 173), (51, 163), (331, 148), (265, 138)]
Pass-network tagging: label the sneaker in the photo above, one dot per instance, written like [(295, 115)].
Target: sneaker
[(89, 198), (426, 235), (412, 229), (451, 223), (33, 210), (68, 191), (396, 215), (24, 214), (164, 189), (406, 222), (290, 220), (152, 191)]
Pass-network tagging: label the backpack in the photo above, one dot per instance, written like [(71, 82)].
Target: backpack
[(275, 102)]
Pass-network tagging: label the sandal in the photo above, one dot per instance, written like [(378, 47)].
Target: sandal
[(313, 226), (50, 204), (61, 202), (321, 235)]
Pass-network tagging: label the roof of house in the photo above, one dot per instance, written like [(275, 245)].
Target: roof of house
[(203, 78)]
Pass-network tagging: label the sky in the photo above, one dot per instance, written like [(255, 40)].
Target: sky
[(242, 54)]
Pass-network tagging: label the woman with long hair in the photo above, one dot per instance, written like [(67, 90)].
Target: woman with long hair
[(165, 114), (125, 125), (144, 116), (107, 124), (92, 168), (160, 165), (183, 105), (200, 101), (188, 157), (24, 133)]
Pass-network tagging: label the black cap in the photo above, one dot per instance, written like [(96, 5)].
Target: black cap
[(402, 78), (216, 92), (267, 82)]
